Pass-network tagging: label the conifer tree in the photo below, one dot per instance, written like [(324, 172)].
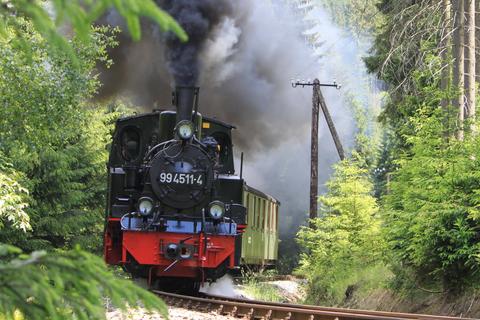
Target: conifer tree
[(345, 239)]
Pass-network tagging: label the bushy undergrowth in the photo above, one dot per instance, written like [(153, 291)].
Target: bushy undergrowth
[(431, 214), (345, 242), (338, 286)]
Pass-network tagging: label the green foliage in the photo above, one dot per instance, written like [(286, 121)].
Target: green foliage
[(13, 198), (48, 16), (254, 285), (432, 218), (65, 284), (54, 139), (346, 237), (430, 205), (69, 284), (357, 16), (367, 135), (54, 145), (406, 42)]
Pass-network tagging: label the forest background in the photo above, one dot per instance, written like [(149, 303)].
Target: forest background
[(400, 213)]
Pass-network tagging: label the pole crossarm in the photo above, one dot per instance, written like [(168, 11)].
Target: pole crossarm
[(316, 82)]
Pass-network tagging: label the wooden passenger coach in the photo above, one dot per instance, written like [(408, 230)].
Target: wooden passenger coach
[(260, 240)]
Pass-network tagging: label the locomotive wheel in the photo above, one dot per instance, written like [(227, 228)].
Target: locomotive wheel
[(178, 285)]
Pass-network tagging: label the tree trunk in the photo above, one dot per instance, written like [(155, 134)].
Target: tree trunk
[(458, 66), (446, 65), (477, 41), (470, 57)]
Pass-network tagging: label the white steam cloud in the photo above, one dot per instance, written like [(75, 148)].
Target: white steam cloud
[(222, 287)]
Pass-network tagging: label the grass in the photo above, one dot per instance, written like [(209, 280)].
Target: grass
[(331, 289), (259, 290), (262, 291)]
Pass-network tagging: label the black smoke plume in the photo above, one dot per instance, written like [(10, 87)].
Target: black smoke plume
[(198, 18)]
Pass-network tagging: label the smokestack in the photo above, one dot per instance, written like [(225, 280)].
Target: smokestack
[(185, 98)]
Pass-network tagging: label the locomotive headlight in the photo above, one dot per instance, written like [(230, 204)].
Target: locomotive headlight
[(145, 206), (216, 209), (184, 129), (171, 250), (185, 252)]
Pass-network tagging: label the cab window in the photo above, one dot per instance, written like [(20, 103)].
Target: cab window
[(130, 143), (224, 146)]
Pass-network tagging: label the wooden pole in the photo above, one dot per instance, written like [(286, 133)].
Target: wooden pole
[(314, 151), (331, 126), (317, 101)]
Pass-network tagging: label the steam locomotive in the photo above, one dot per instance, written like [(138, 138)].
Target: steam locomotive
[(177, 214)]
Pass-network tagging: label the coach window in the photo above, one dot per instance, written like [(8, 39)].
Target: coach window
[(261, 219), (246, 203), (267, 211), (276, 217), (255, 212), (258, 212), (251, 209), (270, 216)]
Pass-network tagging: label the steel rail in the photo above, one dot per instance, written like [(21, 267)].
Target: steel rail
[(252, 309), (359, 311)]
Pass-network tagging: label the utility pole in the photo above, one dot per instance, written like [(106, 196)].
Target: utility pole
[(318, 101)]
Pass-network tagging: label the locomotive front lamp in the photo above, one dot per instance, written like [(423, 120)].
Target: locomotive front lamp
[(145, 206), (185, 253), (216, 209), (185, 129), (171, 250)]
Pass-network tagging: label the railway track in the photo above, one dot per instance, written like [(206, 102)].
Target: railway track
[(252, 309)]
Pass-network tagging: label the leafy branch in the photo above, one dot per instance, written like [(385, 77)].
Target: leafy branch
[(48, 17), (71, 284)]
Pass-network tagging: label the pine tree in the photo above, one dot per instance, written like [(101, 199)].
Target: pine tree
[(345, 240)]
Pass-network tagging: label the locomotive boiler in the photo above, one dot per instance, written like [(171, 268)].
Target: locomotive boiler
[(177, 214)]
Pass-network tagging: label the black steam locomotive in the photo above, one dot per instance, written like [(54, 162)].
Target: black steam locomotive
[(176, 210)]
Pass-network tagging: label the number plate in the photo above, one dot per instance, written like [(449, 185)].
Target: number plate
[(193, 179)]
